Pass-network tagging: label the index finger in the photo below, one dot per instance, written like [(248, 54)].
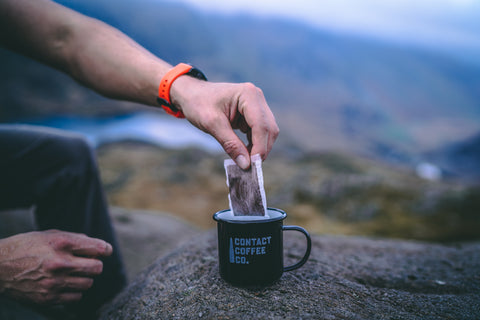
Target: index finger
[(262, 122), (263, 135)]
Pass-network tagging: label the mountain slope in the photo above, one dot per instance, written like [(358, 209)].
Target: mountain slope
[(460, 159), (328, 91)]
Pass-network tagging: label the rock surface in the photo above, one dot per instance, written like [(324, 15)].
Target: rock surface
[(345, 278), (144, 236)]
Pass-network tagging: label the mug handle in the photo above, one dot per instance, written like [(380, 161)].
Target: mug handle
[(307, 253)]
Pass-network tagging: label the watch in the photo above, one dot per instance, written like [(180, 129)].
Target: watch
[(165, 84)]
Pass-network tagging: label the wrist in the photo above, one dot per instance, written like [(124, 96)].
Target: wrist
[(182, 91), (174, 85)]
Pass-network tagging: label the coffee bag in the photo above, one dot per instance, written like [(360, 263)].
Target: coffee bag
[(246, 190)]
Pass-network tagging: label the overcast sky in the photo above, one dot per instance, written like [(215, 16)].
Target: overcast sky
[(454, 23)]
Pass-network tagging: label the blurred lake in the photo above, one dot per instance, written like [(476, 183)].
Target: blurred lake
[(143, 127)]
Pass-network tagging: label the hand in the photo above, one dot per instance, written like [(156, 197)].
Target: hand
[(218, 108), (50, 267)]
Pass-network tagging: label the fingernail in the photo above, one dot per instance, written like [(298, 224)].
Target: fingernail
[(242, 162), (108, 248)]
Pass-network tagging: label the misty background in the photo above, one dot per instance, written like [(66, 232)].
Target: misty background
[(356, 87)]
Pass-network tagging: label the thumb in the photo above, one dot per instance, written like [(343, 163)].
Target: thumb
[(234, 147)]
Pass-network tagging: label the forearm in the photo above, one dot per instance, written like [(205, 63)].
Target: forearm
[(112, 64), (109, 62), (95, 54)]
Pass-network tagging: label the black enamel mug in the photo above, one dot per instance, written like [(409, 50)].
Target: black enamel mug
[(250, 249)]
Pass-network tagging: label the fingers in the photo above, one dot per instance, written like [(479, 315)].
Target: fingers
[(77, 284), (67, 284), (90, 247), (62, 290), (77, 266), (52, 266), (253, 117), (85, 267), (258, 116), (231, 143), (69, 297), (219, 108), (80, 244), (52, 298), (69, 279)]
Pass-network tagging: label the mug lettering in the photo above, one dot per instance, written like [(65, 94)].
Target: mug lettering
[(243, 248), (252, 241), (241, 260)]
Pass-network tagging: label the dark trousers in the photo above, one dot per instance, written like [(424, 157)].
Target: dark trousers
[(57, 173)]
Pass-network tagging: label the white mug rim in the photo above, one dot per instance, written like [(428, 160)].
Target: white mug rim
[(279, 215)]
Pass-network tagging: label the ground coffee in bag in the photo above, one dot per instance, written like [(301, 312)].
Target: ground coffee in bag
[(246, 190)]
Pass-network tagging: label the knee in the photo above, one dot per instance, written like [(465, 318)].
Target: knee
[(75, 152)]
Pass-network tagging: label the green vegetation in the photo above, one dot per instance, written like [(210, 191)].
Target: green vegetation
[(328, 193)]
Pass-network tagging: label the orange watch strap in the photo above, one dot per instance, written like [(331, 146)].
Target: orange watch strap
[(166, 84)]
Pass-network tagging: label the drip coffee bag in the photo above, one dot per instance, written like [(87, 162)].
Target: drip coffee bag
[(246, 190)]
